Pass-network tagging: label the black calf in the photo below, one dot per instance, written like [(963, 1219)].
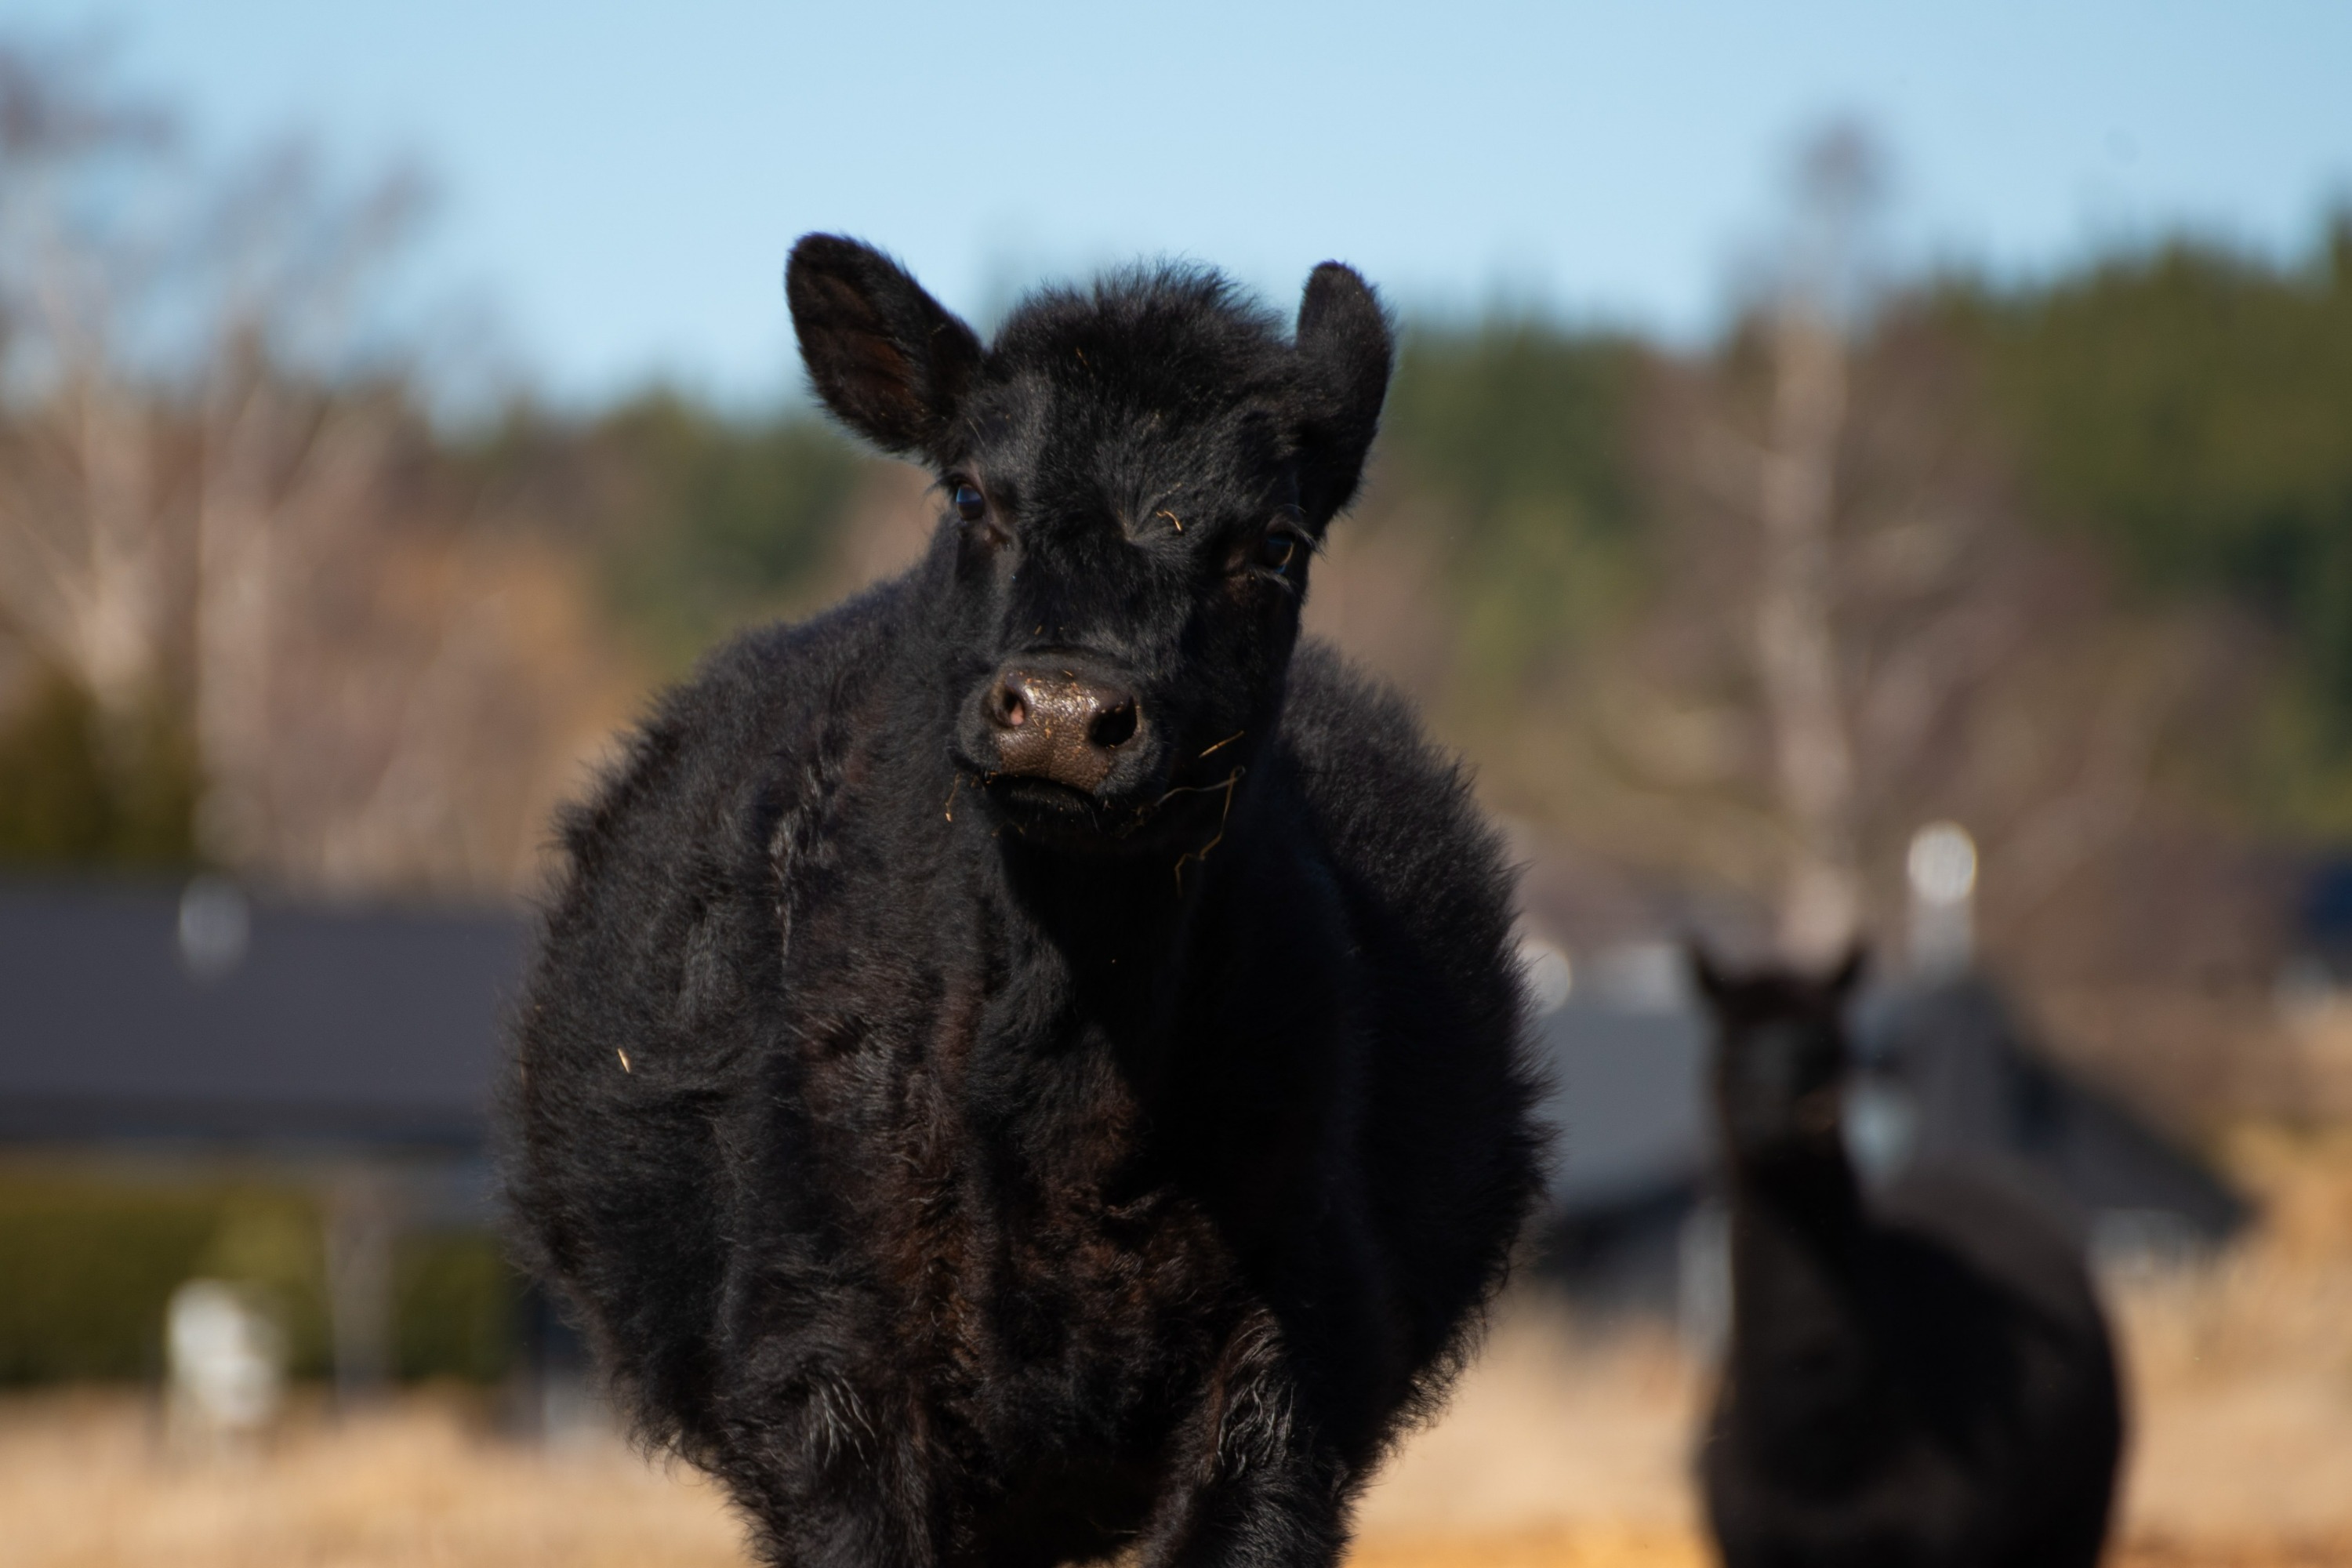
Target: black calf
[(1927, 1383), (1021, 1066)]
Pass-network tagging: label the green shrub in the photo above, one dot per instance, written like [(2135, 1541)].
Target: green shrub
[(454, 1307), (89, 1261), (86, 1268), (77, 790)]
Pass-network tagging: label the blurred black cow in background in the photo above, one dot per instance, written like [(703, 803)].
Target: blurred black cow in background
[(1922, 1379)]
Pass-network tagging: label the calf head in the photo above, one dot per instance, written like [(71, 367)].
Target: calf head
[(1780, 1054), (1135, 480)]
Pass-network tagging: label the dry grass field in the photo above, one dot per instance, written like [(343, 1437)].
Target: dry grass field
[(1562, 1451)]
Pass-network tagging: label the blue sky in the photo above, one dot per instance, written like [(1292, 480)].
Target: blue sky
[(621, 182)]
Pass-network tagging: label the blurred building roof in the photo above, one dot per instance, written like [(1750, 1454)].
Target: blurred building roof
[(137, 1015), (1947, 1073), (1628, 1101), (1967, 1080)]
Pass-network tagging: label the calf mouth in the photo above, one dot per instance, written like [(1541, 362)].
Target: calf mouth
[(1178, 819), (1046, 811)]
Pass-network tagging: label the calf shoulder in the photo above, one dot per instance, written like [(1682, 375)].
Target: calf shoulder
[(1448, 1150), (636, 1021)]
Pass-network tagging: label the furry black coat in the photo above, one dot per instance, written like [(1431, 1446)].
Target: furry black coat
[(977, 1140)]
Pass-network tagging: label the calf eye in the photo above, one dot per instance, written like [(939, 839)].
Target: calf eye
[(969, 504), (1277, 551)]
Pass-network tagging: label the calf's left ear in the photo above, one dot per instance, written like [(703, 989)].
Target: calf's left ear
[(1346, 351), (890, 361)]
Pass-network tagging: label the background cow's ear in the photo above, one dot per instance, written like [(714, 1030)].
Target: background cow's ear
[(1346, 350), (890, 361), (1713, 984), (1849, 972)]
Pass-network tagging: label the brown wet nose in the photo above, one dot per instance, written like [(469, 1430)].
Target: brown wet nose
[(1054, 723)]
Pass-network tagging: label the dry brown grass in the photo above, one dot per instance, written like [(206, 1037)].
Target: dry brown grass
[(85, 1482), (1564, 1453), (1560, 1450), (2241, 1373)]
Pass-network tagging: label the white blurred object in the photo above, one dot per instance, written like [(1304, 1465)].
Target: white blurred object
[(1702, 1282), (1550, 975), (1942, 873), (1641, 977), (215, 927), (2137, 1245), (227, 1362), (1880, 1125)]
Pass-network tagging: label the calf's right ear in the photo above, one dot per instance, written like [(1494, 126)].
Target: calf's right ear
[(1347, 350), (890, 361)]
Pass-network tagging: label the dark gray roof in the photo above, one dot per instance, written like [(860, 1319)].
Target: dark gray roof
[(1980, 1084), (376, 1026), (1629, 1099)]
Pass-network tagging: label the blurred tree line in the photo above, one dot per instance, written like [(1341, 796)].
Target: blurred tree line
[(2190, 410), (2066, 559)]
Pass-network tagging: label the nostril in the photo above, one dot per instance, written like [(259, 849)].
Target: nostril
[(1116, 727), (1009, 705)]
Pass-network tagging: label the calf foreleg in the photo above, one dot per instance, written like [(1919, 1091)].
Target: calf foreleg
[(1257, 1480), (832, 1481)]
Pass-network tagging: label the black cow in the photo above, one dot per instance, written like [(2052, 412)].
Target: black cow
[(1922, 1380), (1026, 1064)]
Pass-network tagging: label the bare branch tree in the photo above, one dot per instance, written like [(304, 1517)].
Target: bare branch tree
[(85, 509), (1798, 657), (1855, 628), (216, 494)]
